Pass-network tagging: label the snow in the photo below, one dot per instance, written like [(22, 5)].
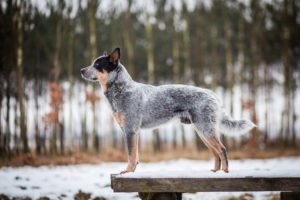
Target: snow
[(58, 181), (252, 173)]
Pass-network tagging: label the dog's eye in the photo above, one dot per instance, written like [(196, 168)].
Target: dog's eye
[(97, 65)]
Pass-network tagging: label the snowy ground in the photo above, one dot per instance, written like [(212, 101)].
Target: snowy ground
[(63, 182)]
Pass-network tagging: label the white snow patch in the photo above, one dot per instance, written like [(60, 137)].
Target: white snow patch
[(53, 181)]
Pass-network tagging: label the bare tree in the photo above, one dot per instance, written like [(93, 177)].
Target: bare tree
[(253, 70), (287, 114), (128, 39), (151, 71), (176, 63), (70, 70), (241, 53), (228, 50), (149, 49), (214, 60), (20, 83), (92, 8), (57, 131), (186, 45)]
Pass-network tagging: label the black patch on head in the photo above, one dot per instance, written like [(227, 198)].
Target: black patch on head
[(103, 63), (108, 62)]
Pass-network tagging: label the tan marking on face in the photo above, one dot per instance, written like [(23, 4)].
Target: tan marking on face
[(119, 118), (103, 78)]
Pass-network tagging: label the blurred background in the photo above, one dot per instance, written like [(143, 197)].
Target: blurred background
[(246, 51)]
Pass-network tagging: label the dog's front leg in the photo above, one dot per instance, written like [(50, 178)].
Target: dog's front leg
[(133, 153)]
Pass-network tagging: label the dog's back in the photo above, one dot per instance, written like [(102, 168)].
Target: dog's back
[(167, 102)]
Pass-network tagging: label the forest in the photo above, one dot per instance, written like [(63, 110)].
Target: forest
[(248, 52)]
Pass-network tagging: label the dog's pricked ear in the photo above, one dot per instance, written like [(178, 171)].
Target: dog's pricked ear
[(104, 53), (115, 55)]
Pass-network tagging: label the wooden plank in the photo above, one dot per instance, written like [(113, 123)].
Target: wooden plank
[(160, 195), (206, 182), (289, 195)]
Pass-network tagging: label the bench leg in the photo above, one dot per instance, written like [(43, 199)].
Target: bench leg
[(160, 195), (289, 195)]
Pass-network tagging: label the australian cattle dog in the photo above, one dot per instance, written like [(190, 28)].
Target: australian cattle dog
[(137, 106)]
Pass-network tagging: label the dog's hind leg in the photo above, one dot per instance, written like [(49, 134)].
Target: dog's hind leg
[(217, 157), (206, 123), (220, 150), (217, 160)]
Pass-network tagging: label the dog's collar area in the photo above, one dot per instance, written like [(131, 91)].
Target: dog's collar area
[(110, 84)]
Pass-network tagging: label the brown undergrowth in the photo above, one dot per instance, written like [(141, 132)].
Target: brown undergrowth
[(114, 155)]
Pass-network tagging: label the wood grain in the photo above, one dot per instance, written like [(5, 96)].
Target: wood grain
[(198, 184)]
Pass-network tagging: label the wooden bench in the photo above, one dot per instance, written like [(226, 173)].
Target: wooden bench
[(171, 184)]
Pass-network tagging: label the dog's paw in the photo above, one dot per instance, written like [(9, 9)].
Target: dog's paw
[(126, 171), (226, 170), (214, 170)]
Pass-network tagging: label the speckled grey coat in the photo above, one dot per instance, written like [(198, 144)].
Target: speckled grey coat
[(148, 106), (139, 106)]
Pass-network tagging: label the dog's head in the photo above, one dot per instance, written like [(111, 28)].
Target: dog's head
[(101, 67)]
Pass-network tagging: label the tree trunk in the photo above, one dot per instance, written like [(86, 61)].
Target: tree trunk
[(1, 85), (7, 135), (267, 103), (174, 142), (84, 133), (241, 56), (253, 142), (199, 144), (186, 51), (229, 65), (151, 77), (128, 40), (294, 80), (214, 56), (176, 71), (287, 112), (294, 117), (56, 134), (175, 52), (16, 139), (70, 76), (113, 135), (156, 141), (183, 139), (150, 57), (20, 84), (92, 7), (61, 138), (1, 132), (57, 52), (37, 135), (2, 152)]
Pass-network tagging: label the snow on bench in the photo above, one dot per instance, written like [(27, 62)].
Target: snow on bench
[(206, 181), (169, 185)]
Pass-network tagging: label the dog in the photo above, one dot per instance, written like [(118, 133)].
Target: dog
[(137, 106)]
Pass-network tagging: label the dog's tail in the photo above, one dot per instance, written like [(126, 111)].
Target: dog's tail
[(233, 127)]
